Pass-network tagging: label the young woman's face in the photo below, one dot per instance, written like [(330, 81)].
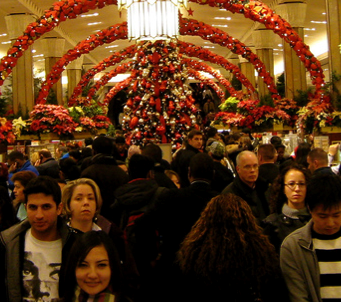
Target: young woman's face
[(83, 203), (295, 189), (94, 273)]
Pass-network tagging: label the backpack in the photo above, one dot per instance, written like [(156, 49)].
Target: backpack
[(142, 238)]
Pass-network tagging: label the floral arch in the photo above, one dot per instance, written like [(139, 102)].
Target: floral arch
[(254, 10)]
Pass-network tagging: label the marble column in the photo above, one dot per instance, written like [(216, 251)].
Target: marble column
[(74, 74), (53, 50), (295, 73), (22, 75), (263, 41), (333, 9), (248, 70)]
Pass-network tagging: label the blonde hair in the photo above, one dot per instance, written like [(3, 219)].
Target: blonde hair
[(68, 191)]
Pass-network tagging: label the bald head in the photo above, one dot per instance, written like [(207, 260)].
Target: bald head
[(247, 167)]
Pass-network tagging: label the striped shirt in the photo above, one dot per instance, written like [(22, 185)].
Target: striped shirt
[(328, 252)]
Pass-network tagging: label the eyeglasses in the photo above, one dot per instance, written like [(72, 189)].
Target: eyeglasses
[(292, 185)]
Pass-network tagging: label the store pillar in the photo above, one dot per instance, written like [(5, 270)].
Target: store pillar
[(22, 75)]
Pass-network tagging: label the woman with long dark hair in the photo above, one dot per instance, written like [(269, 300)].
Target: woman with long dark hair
[(93, 270), (226, 257)]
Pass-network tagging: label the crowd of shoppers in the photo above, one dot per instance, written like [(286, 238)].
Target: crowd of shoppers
[(227, 219)]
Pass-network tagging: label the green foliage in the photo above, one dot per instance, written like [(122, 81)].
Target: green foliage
[(111, 130), (280, 85), (6, 100), (93, 110), (230, 105), (52, 98), (266, 100), (236, 84), (302, 97)]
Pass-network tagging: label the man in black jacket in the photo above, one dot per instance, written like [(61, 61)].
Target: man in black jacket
[(103, 169), (181, 162), (249, 186)]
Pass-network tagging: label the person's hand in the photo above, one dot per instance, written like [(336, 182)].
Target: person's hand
[(12, 167), (37, 163), (333, 149)]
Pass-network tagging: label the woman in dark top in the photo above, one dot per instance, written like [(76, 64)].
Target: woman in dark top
[(287, 204)]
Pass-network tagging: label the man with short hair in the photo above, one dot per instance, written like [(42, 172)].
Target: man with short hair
[(310, 256), (318, 162), (267, 156), (180, 163), (18, 163), (31, 251), (248, 186), (48, 165)]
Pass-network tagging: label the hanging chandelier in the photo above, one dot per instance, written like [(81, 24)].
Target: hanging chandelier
[(152, 19)]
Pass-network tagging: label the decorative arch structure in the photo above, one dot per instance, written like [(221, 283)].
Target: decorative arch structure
[(108, 35), (106, 78), (115, 58), (254, 10), (185, 48), (196, 74), (196, 65), (193, 64)]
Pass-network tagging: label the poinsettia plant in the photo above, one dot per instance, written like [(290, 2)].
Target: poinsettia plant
[(248, 113), (6, 131), (52, 118)]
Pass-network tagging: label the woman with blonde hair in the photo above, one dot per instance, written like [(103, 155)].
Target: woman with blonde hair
[(228, 258), (82, 203)]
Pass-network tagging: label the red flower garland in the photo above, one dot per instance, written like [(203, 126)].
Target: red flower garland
[(196, 65), (115, 58), (207, 32), (206, 55), (106, 78), (112, 33)]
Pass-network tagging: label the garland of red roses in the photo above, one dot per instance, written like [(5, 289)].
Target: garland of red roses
[(106, 78), (207, 55), (195, 28), (259, 12), (115, 58), (108, 35), (196, 65)]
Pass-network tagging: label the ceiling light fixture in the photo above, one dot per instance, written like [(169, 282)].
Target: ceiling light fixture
[(152, 19)]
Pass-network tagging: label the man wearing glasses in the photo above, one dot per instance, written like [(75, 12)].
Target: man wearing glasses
[(311, 256), (249, 186)]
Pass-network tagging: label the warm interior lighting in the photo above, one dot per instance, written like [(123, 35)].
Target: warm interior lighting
[(152, 19)]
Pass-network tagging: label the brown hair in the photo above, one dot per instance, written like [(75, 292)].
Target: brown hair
[(226, 246)]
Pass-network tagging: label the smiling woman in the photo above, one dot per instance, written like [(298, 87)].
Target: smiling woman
[(93, 270)]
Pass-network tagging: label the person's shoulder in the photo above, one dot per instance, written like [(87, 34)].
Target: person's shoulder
[(301, 235), (14, 231), (231, 188)]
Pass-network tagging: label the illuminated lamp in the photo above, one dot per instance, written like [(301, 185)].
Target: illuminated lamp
[(152, 19)]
